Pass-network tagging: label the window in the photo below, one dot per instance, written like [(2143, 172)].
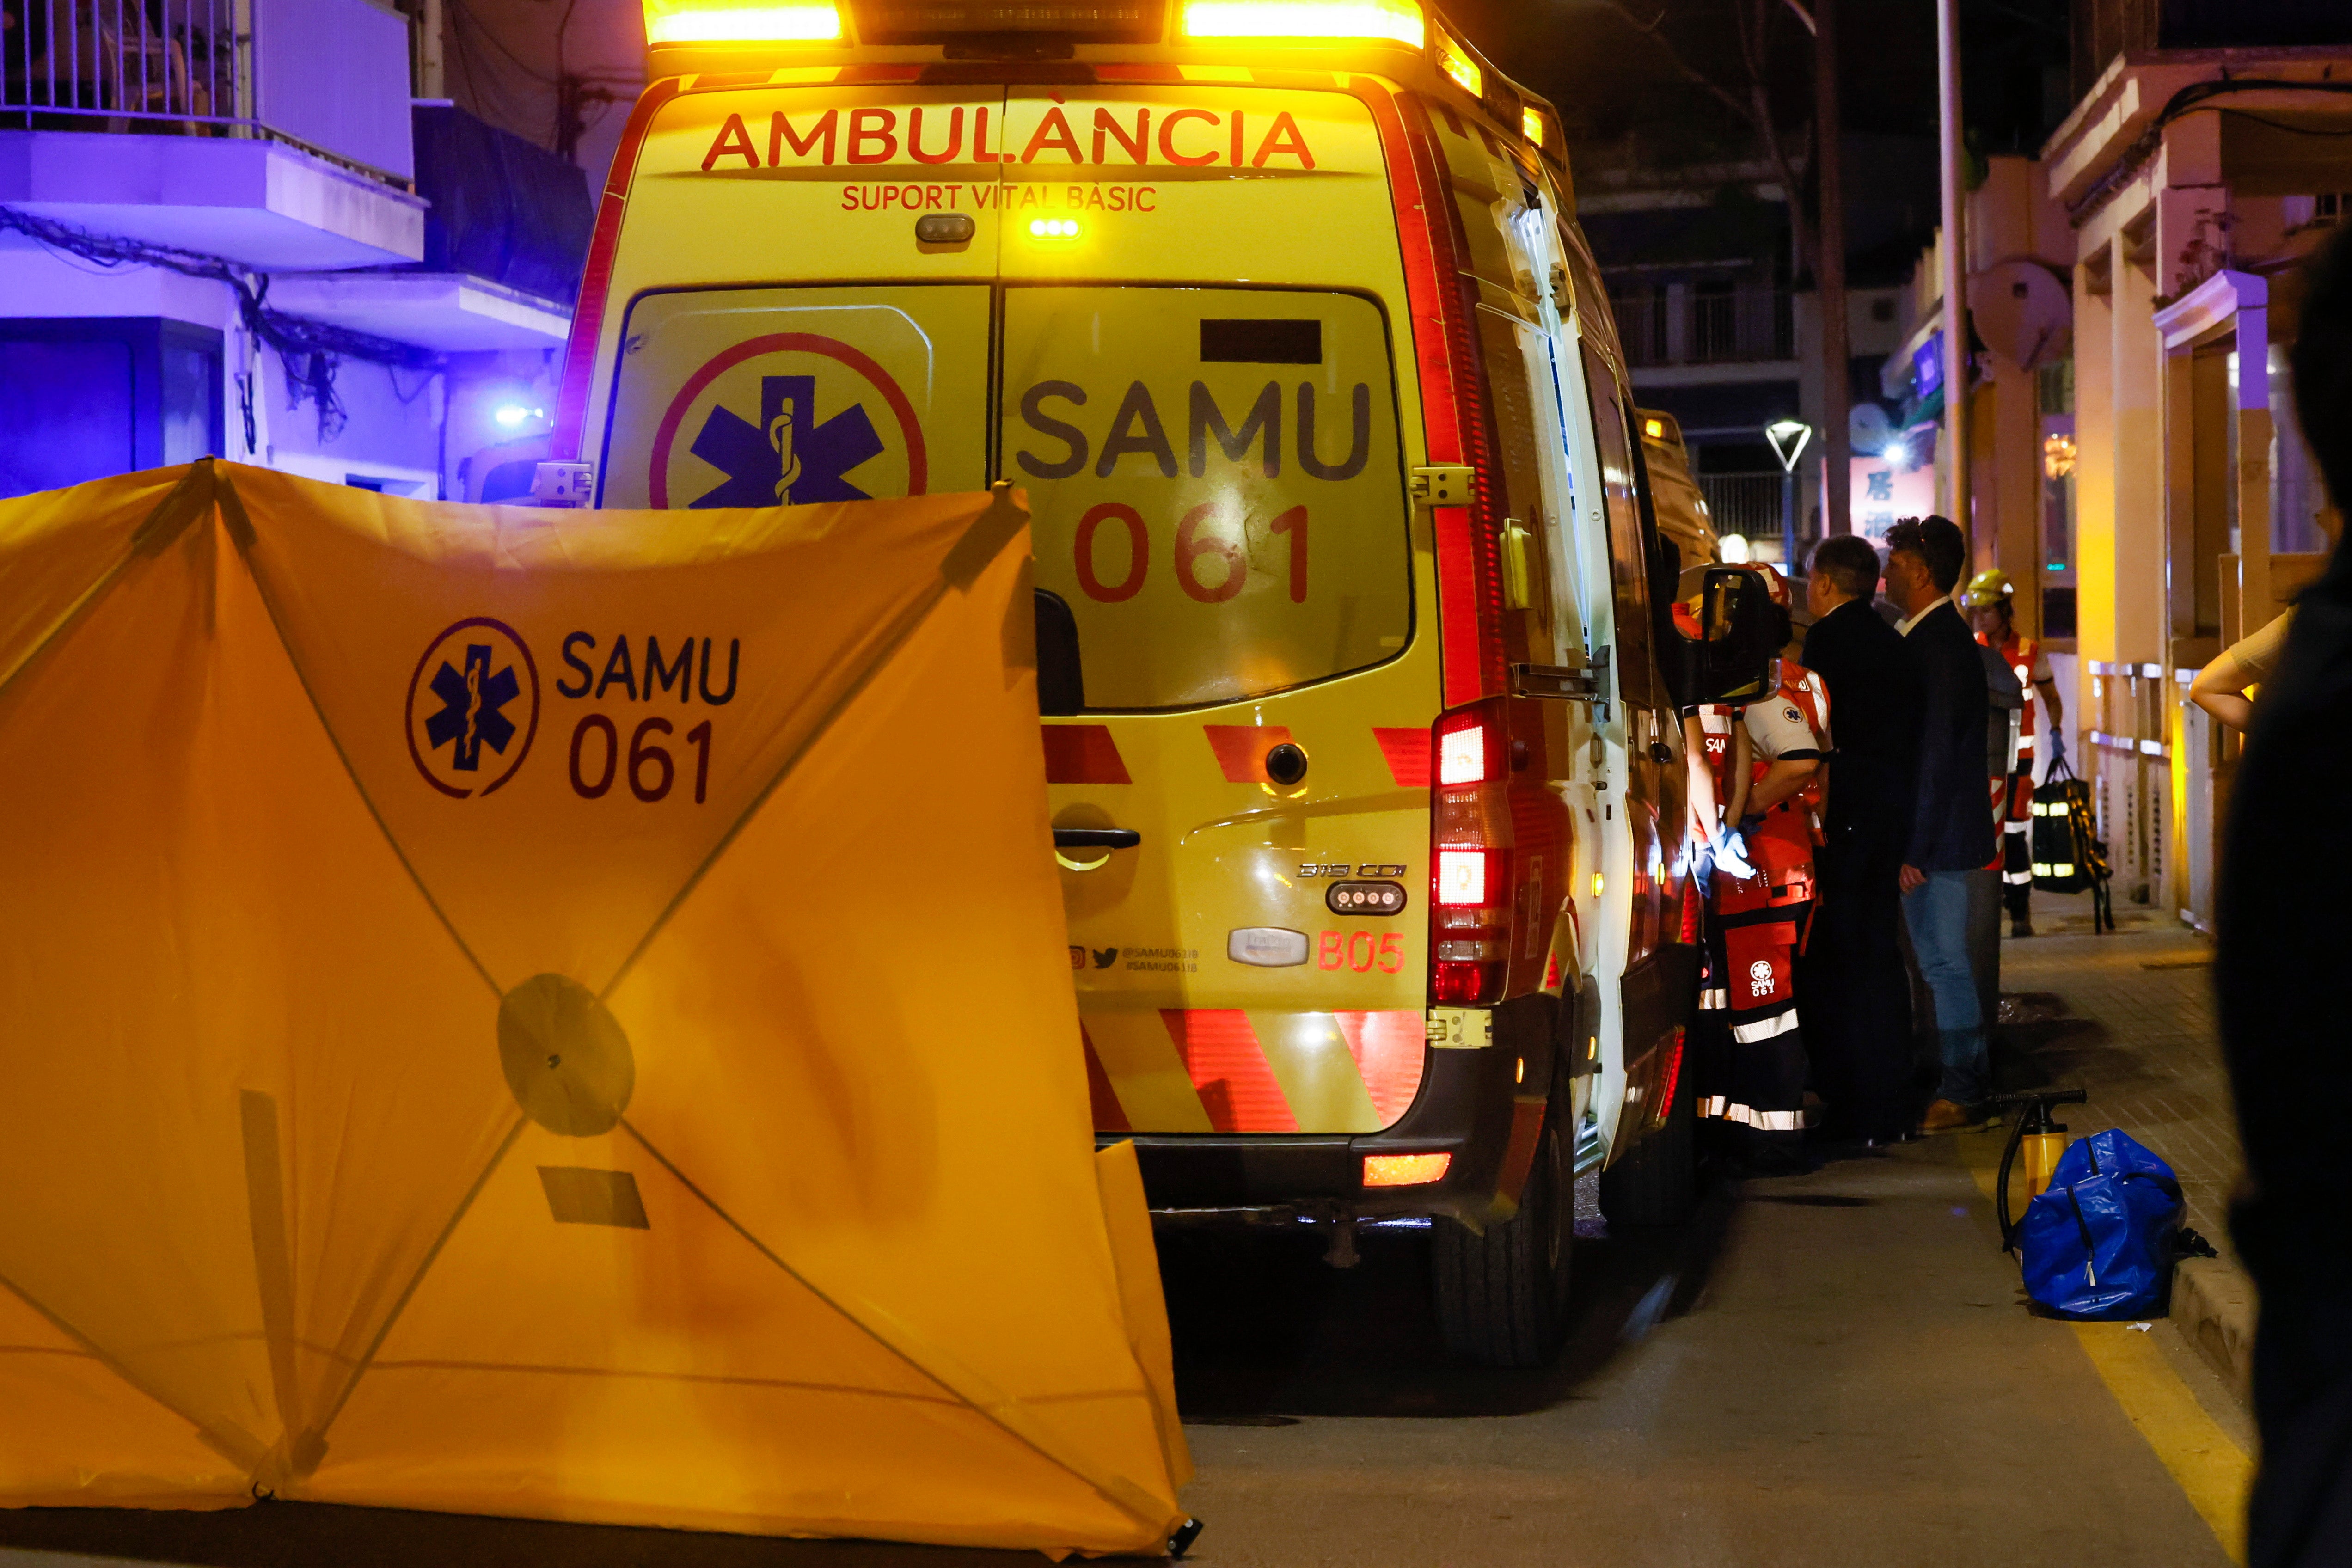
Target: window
[(1215, 482)]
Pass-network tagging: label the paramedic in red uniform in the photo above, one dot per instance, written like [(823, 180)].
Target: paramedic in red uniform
[(1988, 599), (1754, 1089)]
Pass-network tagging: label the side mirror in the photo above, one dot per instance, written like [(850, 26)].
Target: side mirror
[(1730, 658)]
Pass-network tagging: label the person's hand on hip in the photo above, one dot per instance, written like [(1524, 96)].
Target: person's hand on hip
[(1913, 879)]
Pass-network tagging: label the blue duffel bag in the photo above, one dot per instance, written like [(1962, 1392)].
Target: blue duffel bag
[(2099, 1241)]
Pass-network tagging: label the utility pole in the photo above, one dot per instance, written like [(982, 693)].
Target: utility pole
[(1828, 276), (1953, 263), (431, 77)]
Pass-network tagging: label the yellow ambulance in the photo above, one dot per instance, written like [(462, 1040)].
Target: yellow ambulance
[(1366, 782), (1674, 496)]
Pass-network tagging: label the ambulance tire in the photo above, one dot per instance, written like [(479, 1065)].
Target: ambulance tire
[(1502, 1298), (1656, 1182)]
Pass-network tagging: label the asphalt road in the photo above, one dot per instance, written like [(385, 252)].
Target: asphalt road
[(1832, 1370)]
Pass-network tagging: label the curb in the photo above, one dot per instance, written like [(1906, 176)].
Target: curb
[(2214, 1309)]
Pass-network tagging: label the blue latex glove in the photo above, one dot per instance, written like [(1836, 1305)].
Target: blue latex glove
[(1730, 854)]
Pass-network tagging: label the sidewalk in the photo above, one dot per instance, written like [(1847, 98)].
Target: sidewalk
[(2130, 1017)]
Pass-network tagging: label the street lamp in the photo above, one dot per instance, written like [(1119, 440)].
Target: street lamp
[(1788, 437)]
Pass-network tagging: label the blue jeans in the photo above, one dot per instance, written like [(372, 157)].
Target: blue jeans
[(1937, 914)]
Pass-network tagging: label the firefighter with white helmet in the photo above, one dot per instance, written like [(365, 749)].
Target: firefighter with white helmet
[(1988, 599), (1767, 760)]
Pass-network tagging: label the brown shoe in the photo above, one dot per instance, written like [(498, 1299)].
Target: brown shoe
[(1947, 1116)]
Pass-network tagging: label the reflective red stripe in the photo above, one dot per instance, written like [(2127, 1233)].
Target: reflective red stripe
[(1109, 1115), (1241, 749), (1673, 1075), (1453, 394), (1389, 1050), (1519, 1153), (596, 279), (1082, 754), (1228, 1069), (1407, 751)]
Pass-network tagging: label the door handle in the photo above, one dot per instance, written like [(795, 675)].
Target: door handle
[(1661, 752), (1096, 838)]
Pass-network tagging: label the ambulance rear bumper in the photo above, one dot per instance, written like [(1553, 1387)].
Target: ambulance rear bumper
[(1464, 1109)]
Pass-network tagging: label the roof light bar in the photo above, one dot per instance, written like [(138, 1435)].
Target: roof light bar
[(949, 21), (1531, 126), (1398, 20), (741, 21)]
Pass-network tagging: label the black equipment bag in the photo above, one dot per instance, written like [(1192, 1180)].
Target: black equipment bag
[(2068, 854)]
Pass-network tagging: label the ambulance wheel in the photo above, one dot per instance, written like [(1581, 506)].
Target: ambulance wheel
[(1502, 1298), (1656, 1181)]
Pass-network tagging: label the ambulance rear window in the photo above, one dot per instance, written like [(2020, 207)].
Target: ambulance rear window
[(1215, 482), (1254, 341)]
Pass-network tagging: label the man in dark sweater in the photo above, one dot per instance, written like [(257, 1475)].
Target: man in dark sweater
[(1951, 815), (2285, 931), (1857, 995)]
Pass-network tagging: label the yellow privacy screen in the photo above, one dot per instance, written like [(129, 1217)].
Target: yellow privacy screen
[(470, 1043)]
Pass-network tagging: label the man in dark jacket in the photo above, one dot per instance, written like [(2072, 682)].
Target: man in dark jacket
[(1951, 831), (2279, 970), (1857, 995)]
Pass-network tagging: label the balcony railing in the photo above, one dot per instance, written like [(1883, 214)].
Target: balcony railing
[(1746, 504), (179, 63), (330, 75), (1668, 324)]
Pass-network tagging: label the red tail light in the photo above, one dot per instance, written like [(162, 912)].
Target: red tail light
[(1470, 857)]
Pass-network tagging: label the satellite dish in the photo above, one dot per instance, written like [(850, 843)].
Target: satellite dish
[(2023, 312), (1867, 427)]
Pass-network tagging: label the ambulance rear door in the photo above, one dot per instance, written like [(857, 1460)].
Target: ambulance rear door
[(789, 334), (1203, 329)]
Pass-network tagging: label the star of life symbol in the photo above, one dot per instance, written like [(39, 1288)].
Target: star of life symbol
[(473, 708), (789, 457), (469, 717), (1759, 978)]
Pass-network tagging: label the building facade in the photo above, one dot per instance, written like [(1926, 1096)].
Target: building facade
[(2135, 463), (1701, 265), (238, 229)]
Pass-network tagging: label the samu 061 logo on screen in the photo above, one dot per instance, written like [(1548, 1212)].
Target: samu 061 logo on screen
[(473, 708)]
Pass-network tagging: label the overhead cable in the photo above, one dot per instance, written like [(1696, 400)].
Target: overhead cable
[(308, 350)]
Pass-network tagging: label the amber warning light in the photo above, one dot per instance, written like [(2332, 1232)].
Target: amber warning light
[(733, 22), (1405, 1170), (1400, 21), (1139, 21)]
